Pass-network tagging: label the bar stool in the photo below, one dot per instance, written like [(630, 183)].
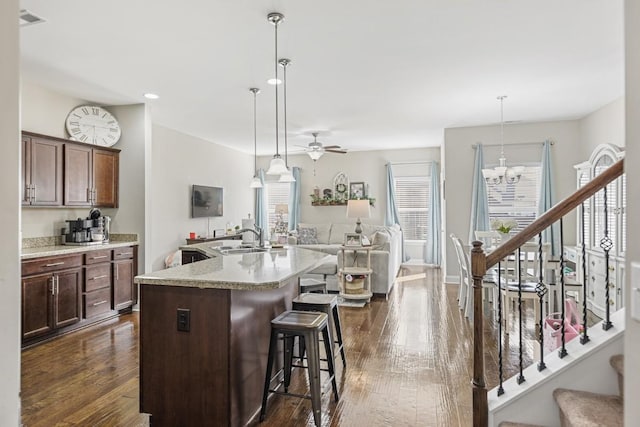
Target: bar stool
[(324, 303), (306, 326), (312, 285)]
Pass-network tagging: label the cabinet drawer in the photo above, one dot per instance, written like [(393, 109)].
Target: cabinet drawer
[(97, 276), (97, 302), (44, 265), (123, 253), (97, 256)]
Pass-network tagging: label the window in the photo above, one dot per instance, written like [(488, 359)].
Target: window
[(518, 201), (412, 200), (277, 194)]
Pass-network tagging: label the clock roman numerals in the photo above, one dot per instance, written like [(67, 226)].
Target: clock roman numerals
[(85, 110), (95, 111), (93, 124), (75, 131)]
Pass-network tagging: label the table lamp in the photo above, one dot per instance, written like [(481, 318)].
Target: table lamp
[(358, 209)]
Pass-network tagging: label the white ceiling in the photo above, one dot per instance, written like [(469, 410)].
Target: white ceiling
[(367, 74)]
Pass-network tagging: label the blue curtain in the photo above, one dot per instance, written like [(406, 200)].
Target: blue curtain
[(262, 218), (391, 216), (479, 199), (547, 198), (432, 245), (294, 199)]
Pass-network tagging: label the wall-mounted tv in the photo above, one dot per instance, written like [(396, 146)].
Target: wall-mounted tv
[(206, 201)]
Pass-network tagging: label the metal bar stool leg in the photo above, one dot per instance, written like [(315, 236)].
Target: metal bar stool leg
[(338, 329), (328, 348), (313, 359), (273, 342), (288, 356)]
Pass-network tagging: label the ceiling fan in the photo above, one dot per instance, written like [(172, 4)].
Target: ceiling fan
[(315, 149)]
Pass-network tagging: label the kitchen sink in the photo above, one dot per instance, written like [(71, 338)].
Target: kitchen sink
[(234, 251)]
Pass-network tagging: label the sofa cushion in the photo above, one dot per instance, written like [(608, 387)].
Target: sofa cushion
[(370, 229), (322, 231), (338, 231), (381, 240), (307, 235)]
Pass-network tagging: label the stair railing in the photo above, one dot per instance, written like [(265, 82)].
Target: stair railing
[(481, 262)]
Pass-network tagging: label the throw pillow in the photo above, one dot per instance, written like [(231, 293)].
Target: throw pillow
[(307, 236), (380, 238)]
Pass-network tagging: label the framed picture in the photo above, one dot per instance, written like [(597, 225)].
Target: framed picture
[(352, 239), (356, 190)]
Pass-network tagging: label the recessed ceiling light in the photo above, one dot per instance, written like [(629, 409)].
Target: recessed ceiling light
[(151, 96), (274, 81)]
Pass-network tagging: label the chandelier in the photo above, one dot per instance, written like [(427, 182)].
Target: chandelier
[(501, 173)]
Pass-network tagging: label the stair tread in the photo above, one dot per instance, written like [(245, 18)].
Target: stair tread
[(617, 363), (586, 409)]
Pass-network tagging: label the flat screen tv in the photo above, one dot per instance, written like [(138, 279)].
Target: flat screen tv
[(206, 201)]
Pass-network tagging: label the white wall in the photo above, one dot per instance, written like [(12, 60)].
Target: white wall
[(458, 169), (359, 166), (10, 215), (604, 126), (632, 335), (178, 162)]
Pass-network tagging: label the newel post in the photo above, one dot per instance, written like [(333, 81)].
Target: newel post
[(478, 270)]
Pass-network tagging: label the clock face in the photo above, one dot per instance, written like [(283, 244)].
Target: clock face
[(94, 125)]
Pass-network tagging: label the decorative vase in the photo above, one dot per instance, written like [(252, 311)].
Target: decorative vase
[(504, 237)]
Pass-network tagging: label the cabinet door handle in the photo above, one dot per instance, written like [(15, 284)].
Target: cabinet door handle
[(116, 266), (99, 277), (55, 264), (95, 196), (99, 257), (33, 193), (57, 284), (88, 195), (98, 303), (125, 253), (53, 281)]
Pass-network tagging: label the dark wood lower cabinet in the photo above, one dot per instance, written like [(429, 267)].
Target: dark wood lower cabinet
[(67, 292), (50, 301)]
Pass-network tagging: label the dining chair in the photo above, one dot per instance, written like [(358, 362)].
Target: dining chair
[(463, 272), (491, 238), (522, 274)]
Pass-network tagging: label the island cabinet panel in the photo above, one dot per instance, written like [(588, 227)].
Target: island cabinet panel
[(184, 378), (212, 375)]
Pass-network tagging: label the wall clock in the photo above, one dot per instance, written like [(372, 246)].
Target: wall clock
[(94, 125)]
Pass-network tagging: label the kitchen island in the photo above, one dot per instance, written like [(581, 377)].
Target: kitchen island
[(204, 333)]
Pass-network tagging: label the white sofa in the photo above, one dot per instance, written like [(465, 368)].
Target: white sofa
[(386, 256)]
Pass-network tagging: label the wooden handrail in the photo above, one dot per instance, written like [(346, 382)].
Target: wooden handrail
[(556, 212)]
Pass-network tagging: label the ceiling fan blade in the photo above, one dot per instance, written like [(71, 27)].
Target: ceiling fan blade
[(333, 150), (331, 147)]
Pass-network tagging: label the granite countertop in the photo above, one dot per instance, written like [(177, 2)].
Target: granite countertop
[(250, 271), (45, 251)]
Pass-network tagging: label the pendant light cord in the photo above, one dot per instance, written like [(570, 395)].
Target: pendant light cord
[(276, 85), (255, 135), (501, 98), (284, 99)]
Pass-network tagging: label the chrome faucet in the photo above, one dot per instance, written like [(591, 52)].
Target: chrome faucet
[(257, 232)]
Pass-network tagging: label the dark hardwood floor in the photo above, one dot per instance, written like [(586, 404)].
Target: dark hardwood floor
[(409, 364)]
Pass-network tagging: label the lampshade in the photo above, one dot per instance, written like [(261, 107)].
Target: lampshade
[(358, 209), (287, 177), (282, 208), (255, 183), (277, 166), (315, 155)]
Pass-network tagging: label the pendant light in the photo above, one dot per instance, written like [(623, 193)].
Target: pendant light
[(255, 182), (288, 175), (277, 165), (501, 173)]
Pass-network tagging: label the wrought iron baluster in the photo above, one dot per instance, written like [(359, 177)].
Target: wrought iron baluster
[(500, 373), (606, 244), (541, 290), (584, 338), (519, 268), (563, 350)]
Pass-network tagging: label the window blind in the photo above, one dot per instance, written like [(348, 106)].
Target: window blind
[(277, 194), (412, 200)]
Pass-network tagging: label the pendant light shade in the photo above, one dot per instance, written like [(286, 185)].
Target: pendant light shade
[(287, 176), (277, 166), (256, 182)]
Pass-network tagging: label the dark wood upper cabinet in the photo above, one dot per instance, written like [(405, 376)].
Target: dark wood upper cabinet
[(60, 172), (41, 171)]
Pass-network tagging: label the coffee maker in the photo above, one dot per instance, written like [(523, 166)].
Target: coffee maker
[(94, 230)]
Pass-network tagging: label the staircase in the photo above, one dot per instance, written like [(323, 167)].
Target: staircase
[(586, 409)]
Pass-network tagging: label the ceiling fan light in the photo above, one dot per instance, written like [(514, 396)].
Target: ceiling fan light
[(255, 183), (315, 155), (287, 177), (277, 166)]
